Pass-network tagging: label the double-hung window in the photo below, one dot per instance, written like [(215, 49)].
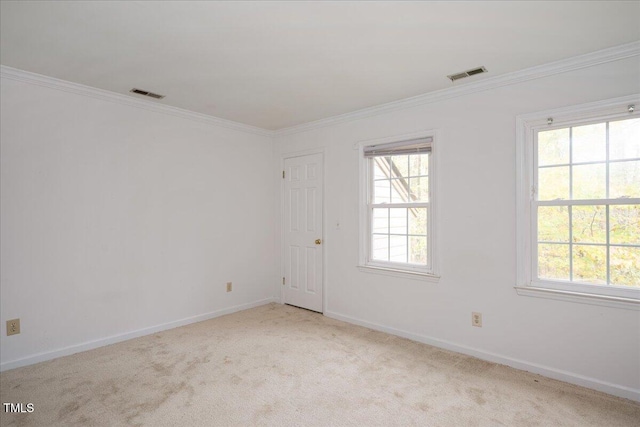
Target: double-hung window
[(580, 202), (397, 206)]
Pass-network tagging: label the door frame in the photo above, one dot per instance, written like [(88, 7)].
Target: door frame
[(289, 155)]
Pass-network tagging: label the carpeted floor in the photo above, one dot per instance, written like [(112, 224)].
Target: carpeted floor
[(282, 366)]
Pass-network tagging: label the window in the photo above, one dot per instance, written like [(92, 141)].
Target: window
[(397, 199), (582, 171)]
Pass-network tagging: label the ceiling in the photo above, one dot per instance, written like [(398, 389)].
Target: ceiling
[(279, 64)]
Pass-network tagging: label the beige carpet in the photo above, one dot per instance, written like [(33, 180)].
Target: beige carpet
[(282, 366)]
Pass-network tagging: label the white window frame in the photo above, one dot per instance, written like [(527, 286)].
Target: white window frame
[(527, 127), (429, 273)]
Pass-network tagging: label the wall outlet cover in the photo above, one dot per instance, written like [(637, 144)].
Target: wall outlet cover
[(13, 327), (476, 319)]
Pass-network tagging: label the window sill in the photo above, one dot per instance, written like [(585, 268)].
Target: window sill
[(415, 275), (579, 297)]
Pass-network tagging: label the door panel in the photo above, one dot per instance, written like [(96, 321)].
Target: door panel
[(302, 230)]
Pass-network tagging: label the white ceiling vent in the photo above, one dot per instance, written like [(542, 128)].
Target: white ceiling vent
[(462, 75), (146, 93)]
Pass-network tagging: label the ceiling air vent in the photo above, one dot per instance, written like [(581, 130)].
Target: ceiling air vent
[(146, 93), (462, 75)]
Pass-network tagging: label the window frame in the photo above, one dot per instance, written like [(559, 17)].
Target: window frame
[(527, 128), (429, 272)]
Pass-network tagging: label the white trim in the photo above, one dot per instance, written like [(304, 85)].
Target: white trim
[(558, 374), (586, 112), (129, 100), (606, 292), (558, 67), (579, 297), (283, 157), (363, 209), (407, 274), (526, 127), (101, 342), (300, 153)]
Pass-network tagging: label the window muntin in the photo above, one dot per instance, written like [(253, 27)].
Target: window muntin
[(586, 209), (399, 206)]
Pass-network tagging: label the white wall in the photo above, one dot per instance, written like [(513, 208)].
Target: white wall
[(593, 345), (117, 219)]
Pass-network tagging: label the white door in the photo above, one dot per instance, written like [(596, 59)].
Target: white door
[(303, 197)]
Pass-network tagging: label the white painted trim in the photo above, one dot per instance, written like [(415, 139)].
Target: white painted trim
[(300, 153), (283, 157), (406, 274), (364, 264), (558, 67), (105, 95), (585, 111), (526, 127), (557, 374), (580, 297), (101, 342)]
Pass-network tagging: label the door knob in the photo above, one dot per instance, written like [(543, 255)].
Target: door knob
[(318, 241)]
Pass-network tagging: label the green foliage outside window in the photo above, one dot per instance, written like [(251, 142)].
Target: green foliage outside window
[(598, 242)]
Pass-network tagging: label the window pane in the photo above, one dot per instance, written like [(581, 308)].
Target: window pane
[(418, 250), (381, 167), (553, 147), (399, 191), (381, 221), (400, 166), (624, 223), (590, 264), (380, 247), (589, 224), (553, 261), (418, 221), (398, 249), (624, 179), (553, 224), (381, 191), (625, 266), (399, 234), (419, 164), (553, 183), (589, 143), (419, 189), (398, 220), (624, 139), (592, 243), (589, 182)]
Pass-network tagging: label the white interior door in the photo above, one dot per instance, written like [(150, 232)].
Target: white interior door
[(303, 198)]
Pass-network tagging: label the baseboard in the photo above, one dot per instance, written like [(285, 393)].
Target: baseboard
[(557, 374), (66, 351)]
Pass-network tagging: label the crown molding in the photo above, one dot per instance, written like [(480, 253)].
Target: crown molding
[(565, 65), (558, 67), (105, 95)]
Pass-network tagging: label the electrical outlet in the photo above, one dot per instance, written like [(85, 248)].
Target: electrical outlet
[(229, 286), (13, 327), (476, 319)]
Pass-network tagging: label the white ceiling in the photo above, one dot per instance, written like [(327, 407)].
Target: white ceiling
[(278, 64)]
